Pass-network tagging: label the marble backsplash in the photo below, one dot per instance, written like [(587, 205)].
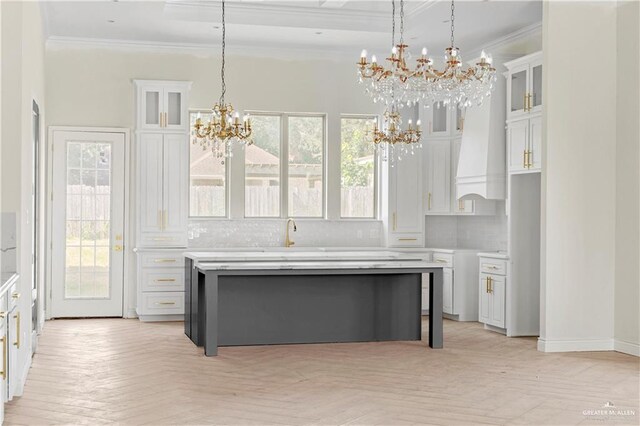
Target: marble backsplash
[(8, 241), (271, 233)]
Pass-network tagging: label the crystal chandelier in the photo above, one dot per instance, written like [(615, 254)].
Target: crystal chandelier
[(453, 85), (393, 133), (224, 130)]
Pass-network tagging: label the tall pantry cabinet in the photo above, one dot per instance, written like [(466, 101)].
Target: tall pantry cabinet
[(162, 161)]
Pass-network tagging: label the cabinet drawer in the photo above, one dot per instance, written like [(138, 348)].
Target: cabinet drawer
[(445, 258), (163, 240), (158, 303), (405, 240), (162, 260), (162, 279), (493, 266)]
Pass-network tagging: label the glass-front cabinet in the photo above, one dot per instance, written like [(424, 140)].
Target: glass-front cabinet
[(162, 107), (524, 85), (444, 121)]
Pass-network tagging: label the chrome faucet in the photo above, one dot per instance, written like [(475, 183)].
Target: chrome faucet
[(287, 241)]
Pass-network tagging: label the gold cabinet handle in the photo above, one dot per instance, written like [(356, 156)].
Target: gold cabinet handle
[(165, 303), (118, 248), (3, 373), (429, 201), (15, 295), (166, 119), (165, 280), (524, 159), (407, 239), (395, 223), (529, 162), (2, 315), (441, 261), (165, 260), (17, 318), (524, 102)]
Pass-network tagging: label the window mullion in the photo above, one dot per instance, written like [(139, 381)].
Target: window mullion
[(284, 167)]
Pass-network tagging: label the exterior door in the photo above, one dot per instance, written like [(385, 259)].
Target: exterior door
[(87, 224)]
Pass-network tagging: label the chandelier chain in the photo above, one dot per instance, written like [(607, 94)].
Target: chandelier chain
[(401, 21), (224, 34), (393, 23), (452, 23)]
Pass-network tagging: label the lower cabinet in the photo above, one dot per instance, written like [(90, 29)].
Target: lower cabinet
[(447, 292), (492, 300), (160, 284)]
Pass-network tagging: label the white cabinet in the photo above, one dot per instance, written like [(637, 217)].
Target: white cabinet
[(443, 121), (442, 157), (492, 300), (438, 157), (160, 278), (447, 291), (162, 105), (402, 200), (162, 174), (460, 293), (492, 293), (524, 140), (524, 86)]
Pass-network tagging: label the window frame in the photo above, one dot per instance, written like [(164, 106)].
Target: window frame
[(376, 170), (227, 172), (284, 164)]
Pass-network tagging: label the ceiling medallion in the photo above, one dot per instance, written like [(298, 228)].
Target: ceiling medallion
[(453, 85), (224, 129)]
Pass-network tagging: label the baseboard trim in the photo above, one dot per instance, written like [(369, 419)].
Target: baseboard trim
[(131, 313), (575, 345), (157, 318), (626, 347)]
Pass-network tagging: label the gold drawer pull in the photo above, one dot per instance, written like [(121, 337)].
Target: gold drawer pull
[(165, 260), (407, 239), (441, 261), (165, 280), (3, 373), (165, 303), (17, 318), (492, 267), (15, 295)]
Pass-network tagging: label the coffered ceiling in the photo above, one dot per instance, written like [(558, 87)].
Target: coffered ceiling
[(302, 26)]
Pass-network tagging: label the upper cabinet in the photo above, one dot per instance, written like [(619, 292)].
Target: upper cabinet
[(524, 86), (442, 120), (163, 106), (524, 120)]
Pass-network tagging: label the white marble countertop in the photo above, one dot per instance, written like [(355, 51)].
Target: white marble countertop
[(494, 255), (248, 256), (314, 265)]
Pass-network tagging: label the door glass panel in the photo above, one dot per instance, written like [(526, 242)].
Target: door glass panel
[(174, 108), (152, 105), (518, 90), (88, 203), (439, 117), (537, 86)]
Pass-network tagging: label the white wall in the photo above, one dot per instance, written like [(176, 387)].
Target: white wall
[(579, 179), (92, 87), (22, 81), (627, 273)]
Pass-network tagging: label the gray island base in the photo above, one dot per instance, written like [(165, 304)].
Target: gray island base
[(259, 304)]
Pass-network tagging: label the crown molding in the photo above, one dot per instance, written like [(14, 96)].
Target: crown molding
[(521, 34), (57, 43)]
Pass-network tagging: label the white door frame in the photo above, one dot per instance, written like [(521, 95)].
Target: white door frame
[(128, 236)]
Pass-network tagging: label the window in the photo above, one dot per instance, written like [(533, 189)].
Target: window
[(289, 147), (357, 169), (207, 180), (305, 166), (262, 167)]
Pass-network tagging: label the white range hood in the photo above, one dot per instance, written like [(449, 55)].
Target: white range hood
[(481, 167)]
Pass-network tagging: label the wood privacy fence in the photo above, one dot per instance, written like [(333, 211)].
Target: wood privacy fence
[(264, 201)]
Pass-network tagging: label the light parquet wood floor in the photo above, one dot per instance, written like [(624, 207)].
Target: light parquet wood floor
[(127, 372)]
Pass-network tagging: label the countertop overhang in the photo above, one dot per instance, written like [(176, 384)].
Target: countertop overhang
[(408, 266)]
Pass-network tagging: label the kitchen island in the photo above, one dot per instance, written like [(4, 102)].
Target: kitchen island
[(246, 298)]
